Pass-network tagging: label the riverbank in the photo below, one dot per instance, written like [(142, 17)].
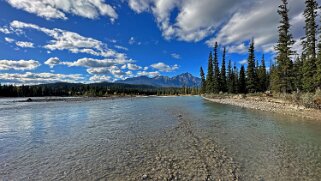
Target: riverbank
[(269, 104)]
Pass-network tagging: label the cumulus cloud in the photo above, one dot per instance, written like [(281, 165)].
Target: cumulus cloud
[(9, 40), (229, 22), (24, 44), (243, 62), (241, 48), (102, 78), (164, 67), (71, 41), (53, 61), (19, 64), (148, 74), (91, 62), (176, 55), (57, 9), (36, 78), (132, 66)]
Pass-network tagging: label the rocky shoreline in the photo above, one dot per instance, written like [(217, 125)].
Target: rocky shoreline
[(267, 104)]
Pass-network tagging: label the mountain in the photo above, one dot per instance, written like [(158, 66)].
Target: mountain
[(185, 79)]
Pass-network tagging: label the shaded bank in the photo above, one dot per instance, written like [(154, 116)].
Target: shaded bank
[(267, 104)]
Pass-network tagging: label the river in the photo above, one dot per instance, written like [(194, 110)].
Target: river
[(154, 138)]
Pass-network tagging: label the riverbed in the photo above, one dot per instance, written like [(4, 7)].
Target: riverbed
[(183, 138)]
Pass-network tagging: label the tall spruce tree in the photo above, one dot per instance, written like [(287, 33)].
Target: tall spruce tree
[(216, 78), (203, 81), (229, 77), (283, 70), (251, 73), (318, 63), (236, 80), (309, 45), (262, 76), (297, 73), (223, 73), (209, 76), (242, 81)]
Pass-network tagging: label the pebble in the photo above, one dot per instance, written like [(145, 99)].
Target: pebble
[(144, 177)]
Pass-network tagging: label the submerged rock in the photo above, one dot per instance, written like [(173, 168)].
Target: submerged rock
[(29, 100)]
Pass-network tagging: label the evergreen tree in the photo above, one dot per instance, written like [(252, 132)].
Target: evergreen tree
[(235, 80), (203, 81), (229, 77), (209, 76), (251, 73), (223, 73), (283, 71), (318, 64), (242, 81), (309, 45), (216, 78), (262, 76), (297, 72)]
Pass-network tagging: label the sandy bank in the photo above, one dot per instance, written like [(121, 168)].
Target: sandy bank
[(268, 104)]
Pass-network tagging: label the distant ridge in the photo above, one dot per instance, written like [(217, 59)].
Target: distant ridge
[(185, 79)]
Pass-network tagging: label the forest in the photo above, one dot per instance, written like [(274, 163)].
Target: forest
[(290, 73), (103, 89)]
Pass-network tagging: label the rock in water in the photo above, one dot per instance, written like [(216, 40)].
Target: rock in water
[(29, 100), (144, 177)]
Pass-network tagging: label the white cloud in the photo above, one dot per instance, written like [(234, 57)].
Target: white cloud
[(243, 62), (5, 30), (71, 41), (91, 62), (176, 55), (121, 47), (149, 74), (37, 78), (19, 64), (164, 68), (132, 66), (53, 61), (103, 78), (24, 44), (99, 70), (229, 22), (9, 40), (241, 48), (57, 9)]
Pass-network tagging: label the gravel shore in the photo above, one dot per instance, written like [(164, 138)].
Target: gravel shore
[(268, 104)]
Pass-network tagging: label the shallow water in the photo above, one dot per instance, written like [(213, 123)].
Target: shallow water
[(123, 139)]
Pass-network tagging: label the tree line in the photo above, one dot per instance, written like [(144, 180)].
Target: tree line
[(92, 90), (290, 72)]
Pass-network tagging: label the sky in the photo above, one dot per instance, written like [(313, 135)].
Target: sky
[(44, 41)]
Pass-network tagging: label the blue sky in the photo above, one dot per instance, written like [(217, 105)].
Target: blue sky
[(95, 40)]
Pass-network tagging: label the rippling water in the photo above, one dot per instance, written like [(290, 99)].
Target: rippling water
[(119, 139)]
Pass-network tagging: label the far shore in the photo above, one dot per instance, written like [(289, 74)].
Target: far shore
[(267, 104)]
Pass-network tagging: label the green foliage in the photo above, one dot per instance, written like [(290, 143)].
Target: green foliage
[(216, 78), (262, 76), (203, 81), (251, 73), (223, 73), (209, 76), (242, 81)]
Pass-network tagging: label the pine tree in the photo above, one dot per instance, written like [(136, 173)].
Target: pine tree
[(318, 64), (203, 81), (229, 77), (297, 73), (282, 74), (309, 45), (262, 76), (209, 76), (235, 80), (251, 73), (223, 73), (216, 79), (242, 81)]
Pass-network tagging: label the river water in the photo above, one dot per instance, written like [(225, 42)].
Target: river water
[(183, 138)]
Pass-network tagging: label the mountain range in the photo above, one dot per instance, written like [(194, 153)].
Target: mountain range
[(185, 79)]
